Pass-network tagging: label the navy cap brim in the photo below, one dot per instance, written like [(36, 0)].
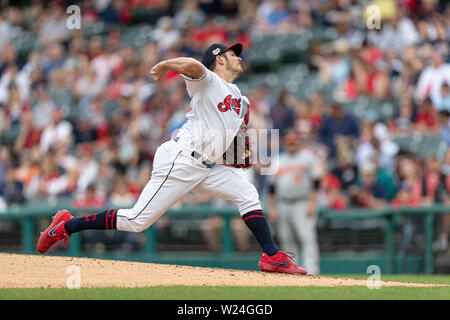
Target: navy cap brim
[(237, 48)]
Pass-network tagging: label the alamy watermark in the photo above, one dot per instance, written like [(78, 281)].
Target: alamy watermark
[(74, 279), (74, 20), (374, 281), (373, 20)]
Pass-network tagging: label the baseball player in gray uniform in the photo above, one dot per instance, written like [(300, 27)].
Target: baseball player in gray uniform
[(193, 160), (293, 201)]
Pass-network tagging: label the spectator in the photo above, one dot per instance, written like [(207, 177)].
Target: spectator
[(396, 33), (369, 193), (91, 199), (53, 57), (403, 123), (14, 110), (57, 133), (426, 120), (431, 26), (88, 85), (28, 137), (121, 195), (345, 170), (408, 172), (8, 60), (335, 67), (275, 17), (84, 132), (379, 147), (236, 33), (446, 163), (306, 122), (76, 53), (88, 167), (6, 27), (387, 148), (166, 35), (95, 113), (444, 102), (282, 113), (431, 79), (65, 160), (279, 13), (105, 177), (210, 32), (12, 191), (434, 188), (47, 182), (106, 62), (5, 162), (355, 84), (404, 197), (13, 79), (410, 194), (95, 48), (331, 193), (43, 109), (28, 167), (338, 126), (116, 12), (444, 120), (54, 25), (189, 12)]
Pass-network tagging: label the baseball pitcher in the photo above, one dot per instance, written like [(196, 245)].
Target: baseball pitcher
[(198, 159), (293, 201)]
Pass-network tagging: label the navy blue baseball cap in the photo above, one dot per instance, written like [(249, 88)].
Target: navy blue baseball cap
[(216, 49)]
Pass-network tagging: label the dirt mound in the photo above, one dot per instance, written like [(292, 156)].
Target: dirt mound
[(32, 271)]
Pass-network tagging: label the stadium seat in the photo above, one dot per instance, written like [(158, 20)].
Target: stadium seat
[(294, 47), (324, 34), (423, 145), (8, 137)]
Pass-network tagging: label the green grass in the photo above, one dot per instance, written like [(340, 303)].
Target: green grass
[(247, 293), (433, 279), (225, 293)]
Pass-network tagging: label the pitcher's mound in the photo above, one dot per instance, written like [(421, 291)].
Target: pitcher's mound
[(32, 271)]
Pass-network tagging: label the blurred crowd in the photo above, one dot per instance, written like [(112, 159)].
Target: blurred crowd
[(85, 117)]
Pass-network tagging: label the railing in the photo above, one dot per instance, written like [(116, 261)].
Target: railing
[(393, 216), (28, 214)]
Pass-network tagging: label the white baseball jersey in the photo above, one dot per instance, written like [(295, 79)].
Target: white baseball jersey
[(217, 113)]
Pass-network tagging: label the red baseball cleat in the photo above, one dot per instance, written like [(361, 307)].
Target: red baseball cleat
[(280, 262), (55, 232)]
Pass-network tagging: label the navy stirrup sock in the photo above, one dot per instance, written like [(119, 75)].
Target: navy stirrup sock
[(257, 223), (100, 221)]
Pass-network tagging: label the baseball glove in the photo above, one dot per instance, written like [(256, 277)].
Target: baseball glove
[(239, 153)]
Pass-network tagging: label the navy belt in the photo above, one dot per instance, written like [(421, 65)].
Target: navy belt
[(197, 156)]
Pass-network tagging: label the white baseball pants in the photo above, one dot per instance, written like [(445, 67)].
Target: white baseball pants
[(175, 173)]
